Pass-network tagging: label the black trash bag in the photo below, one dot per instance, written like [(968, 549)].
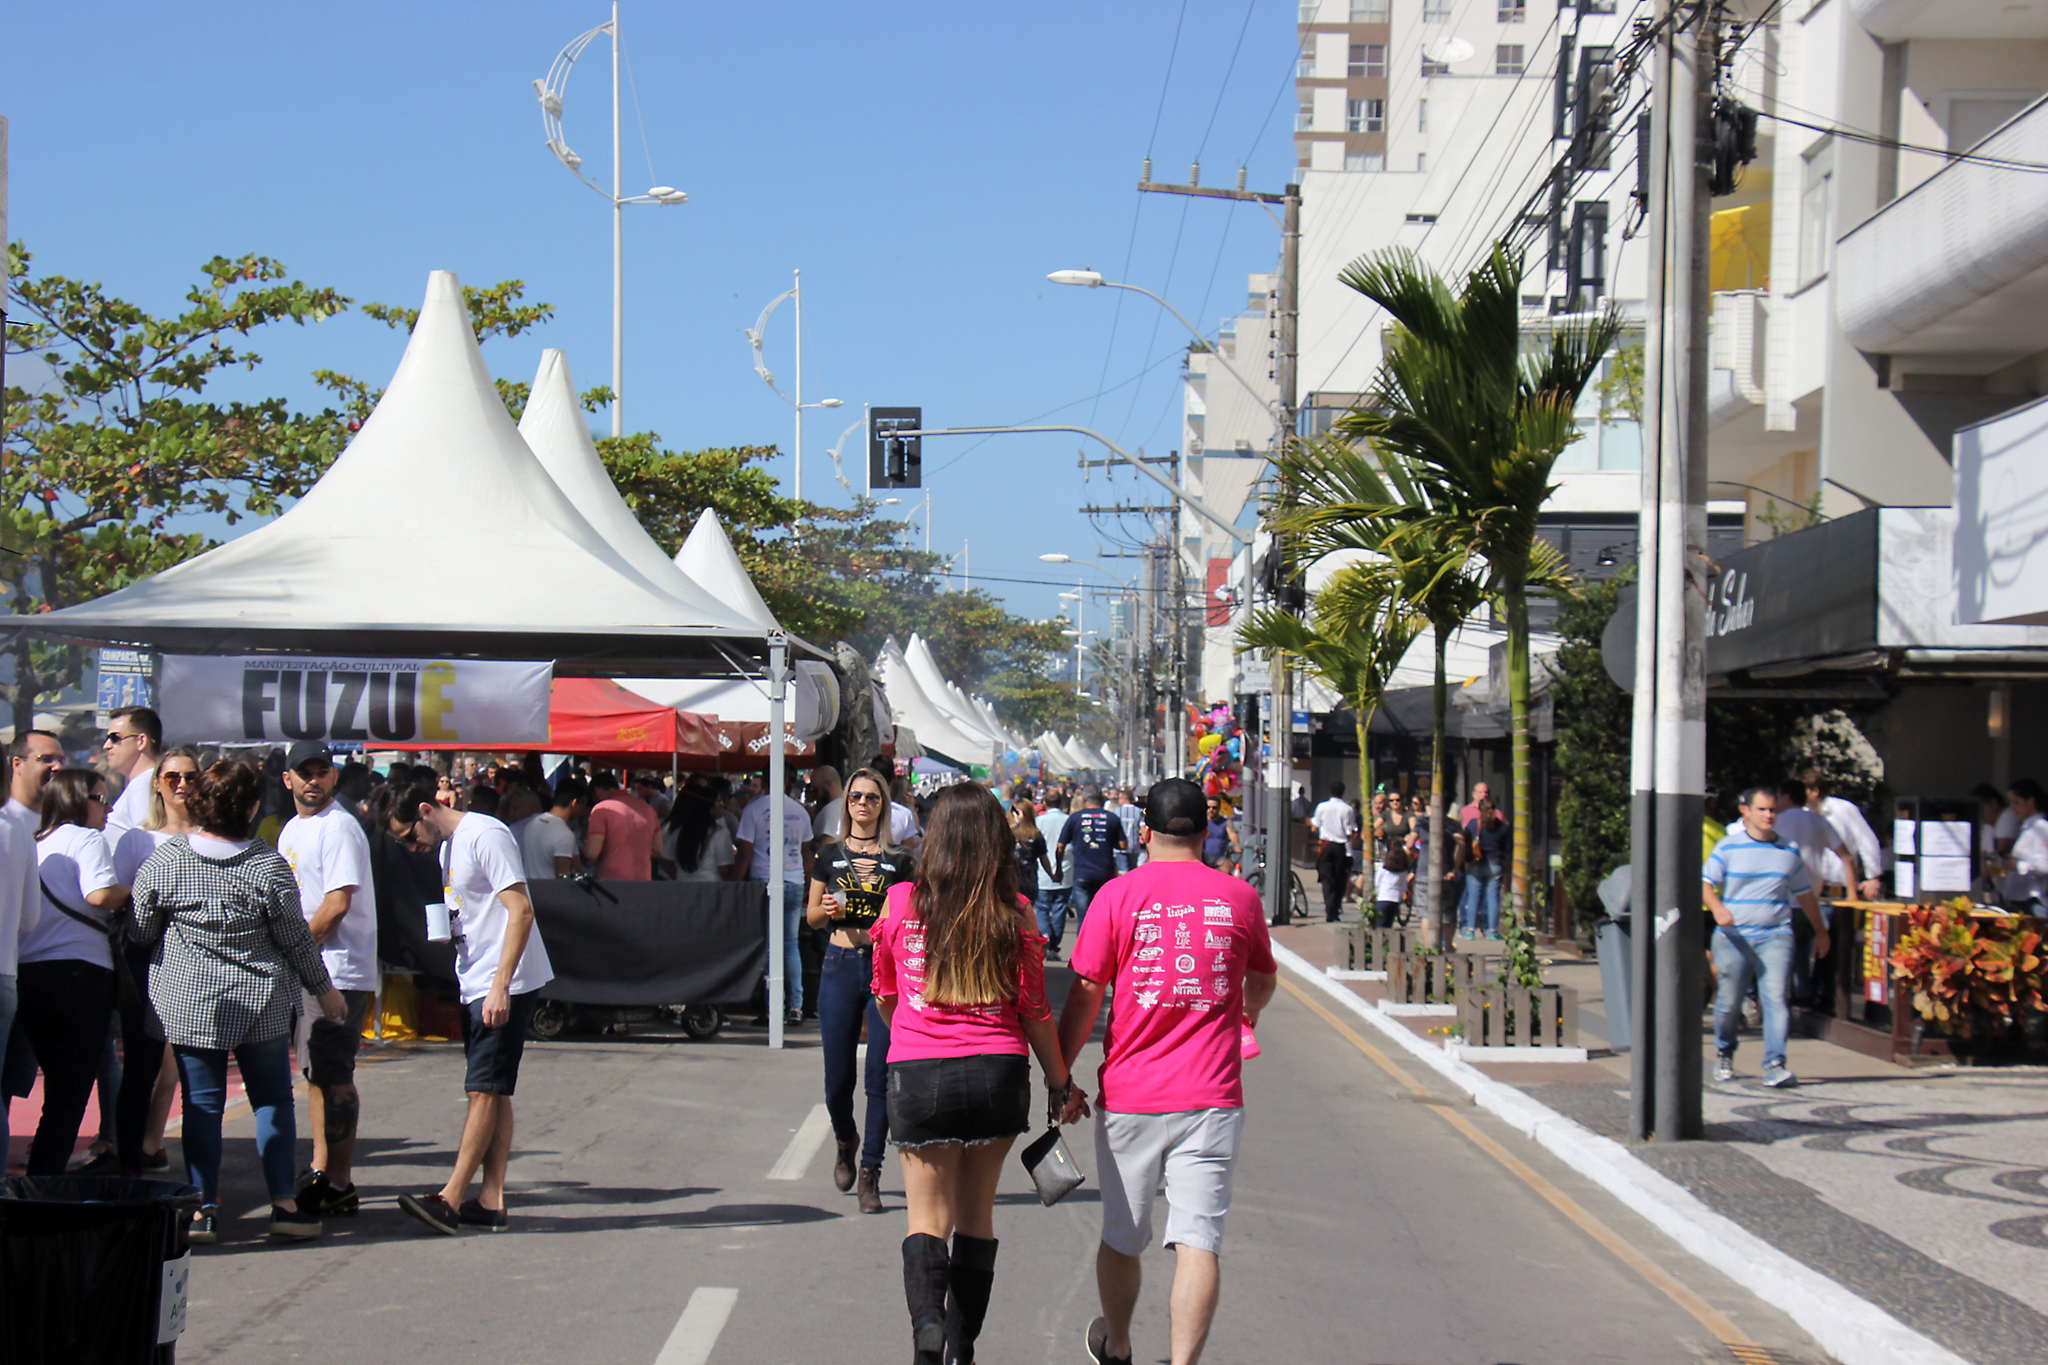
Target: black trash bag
[(82, 1266)]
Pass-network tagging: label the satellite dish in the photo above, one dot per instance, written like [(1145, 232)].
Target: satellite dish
[(1448, 50)]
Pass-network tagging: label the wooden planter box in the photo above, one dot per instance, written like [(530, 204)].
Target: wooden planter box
[(1519, 1016), (1363, 948), (1437, 979)]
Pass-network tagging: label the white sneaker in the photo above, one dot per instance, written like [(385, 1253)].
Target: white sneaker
[(1724, 1069), (1777, 1077)]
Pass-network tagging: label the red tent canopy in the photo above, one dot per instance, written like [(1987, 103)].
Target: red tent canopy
[(600, 720)]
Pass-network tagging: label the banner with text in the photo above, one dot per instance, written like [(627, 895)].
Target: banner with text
[(277, 698)]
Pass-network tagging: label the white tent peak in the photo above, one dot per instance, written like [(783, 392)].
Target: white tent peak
[(439, 469), (708, 558)]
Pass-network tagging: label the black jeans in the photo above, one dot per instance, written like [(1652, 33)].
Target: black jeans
[(142, 1060), (66, 1009), (845, 998), (1333, 865)]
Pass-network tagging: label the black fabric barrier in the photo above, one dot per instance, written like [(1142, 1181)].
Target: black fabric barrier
[(611, 943)]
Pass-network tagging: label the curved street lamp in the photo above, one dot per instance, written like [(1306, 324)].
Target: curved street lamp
[(795, 292), (1092, 279), (552, 90)]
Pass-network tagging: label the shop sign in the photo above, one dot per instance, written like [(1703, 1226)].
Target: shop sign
[(278, 698)]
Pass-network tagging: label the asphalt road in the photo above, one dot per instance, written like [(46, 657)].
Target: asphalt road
[(1371, 1225)]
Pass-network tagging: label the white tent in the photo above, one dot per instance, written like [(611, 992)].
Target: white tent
[(812, 699), (708, 557), (943, 695), (934, 727), (437, 532), (1055, 754)]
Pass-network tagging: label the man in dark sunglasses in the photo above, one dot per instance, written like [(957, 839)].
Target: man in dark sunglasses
[(133, 743)]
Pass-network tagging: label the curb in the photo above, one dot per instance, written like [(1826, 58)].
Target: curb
[(1849, 1327)]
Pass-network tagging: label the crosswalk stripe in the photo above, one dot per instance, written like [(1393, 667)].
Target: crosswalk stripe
[(809, 1137), (696, 1331)]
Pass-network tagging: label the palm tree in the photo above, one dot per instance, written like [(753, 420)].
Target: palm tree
[(1363, 627), (1481, 419), (1337, 498)]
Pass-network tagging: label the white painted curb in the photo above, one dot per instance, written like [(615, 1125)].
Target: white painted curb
[(1396, 1010), (1346, 974), (1850, 1328), (1532, 1056)]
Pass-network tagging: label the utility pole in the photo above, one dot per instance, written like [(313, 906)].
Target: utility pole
[(1668, 754), (1280, 762)]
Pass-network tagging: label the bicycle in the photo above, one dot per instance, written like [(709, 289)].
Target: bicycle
[(1252, 869)]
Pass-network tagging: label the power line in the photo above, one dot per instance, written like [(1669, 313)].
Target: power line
[(1224, 89)]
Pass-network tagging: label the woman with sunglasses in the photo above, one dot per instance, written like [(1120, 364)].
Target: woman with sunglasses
[(960, 980), (230, 949), (66, 980), (850, 876), (143, 1105)]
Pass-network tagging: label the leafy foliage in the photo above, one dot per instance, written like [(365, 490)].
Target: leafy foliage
[(1592, 714), (1965, 972)]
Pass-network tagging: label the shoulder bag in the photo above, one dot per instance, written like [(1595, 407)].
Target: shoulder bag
[(126, 996)]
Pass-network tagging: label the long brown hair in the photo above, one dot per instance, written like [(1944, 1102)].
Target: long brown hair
[(966, 895), (65, 798)]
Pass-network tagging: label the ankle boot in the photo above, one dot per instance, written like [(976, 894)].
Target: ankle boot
[(973, 1279), (926, 1272)]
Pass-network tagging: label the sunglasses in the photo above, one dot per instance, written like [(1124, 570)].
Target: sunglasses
[(179, 779), (98, 799), (115, 737), (864, 797)]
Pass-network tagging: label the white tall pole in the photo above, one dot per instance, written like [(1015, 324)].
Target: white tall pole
[(778, 678), (618, 250), (797, 292)]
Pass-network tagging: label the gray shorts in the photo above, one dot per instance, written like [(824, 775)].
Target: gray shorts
[(1194, 1151)]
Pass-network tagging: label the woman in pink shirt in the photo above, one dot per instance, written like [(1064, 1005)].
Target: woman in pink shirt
[(960, 979)]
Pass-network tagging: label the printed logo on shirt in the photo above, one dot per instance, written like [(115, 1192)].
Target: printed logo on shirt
[(1184, 963), (1187, 988), (1151, 911), (1176, 911), (1216, 942), (1182, 938), (913, 943), (1151, 952), (1146, 999), (1222, 985), (1216, 912), (914, 963), (1150, 933), (1150, 968), (1221, 964)]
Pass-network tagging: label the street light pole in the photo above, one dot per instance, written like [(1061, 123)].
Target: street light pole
[(552, 90), (795, 294)]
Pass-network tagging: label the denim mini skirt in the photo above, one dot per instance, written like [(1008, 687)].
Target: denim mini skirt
[(967, 1100)]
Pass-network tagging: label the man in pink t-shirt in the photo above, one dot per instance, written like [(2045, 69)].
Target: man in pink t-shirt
[(624, 834), (1185, 949)]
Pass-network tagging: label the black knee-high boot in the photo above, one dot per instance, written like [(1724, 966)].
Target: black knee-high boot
[(973, 1279), (926, 1273)]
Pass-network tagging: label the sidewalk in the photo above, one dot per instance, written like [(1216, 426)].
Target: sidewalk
[(1922, 1191)]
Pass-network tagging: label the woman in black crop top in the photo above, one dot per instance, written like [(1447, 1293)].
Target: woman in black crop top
[(850, 876)]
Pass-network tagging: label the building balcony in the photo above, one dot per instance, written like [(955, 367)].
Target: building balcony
[(2001, 552), (1956, 268), (1898, 20)]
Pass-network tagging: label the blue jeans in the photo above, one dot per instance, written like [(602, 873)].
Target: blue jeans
[(7, 999), (845, 997), (267, 1073), (1051, 906), (1765, 960), (792, 951), (1081, 897), (1481, 901)]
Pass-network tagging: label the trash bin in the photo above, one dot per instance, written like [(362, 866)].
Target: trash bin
[(92, 1268), (1617, 976)]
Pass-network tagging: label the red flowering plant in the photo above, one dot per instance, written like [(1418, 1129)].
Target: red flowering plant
[(1965, 970)]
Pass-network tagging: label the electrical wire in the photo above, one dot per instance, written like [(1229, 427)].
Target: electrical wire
[(2001, 163), (1217, 107), (645, 147)]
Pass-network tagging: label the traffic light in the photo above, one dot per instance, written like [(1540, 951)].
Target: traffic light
[(895, 460)]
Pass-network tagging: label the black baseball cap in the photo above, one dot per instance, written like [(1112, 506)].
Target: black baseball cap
[(1176, 806), (308, 751)]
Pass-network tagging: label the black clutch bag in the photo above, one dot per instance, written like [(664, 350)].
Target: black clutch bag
[(1051, 1164)]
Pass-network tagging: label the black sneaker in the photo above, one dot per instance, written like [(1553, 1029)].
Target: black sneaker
[(205, 1229), (296, 1225), (318, 1196), (432, 1210), (156, 1161), (1098, 1344), (473, 1214)]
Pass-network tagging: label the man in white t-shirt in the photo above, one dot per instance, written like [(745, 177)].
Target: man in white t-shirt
[(134, 742), (548, 843), (33, 756), (21, 896), (750, 863), (1333, 823), (1856, 832), (330, 859), (1822, 848), (500, 966)]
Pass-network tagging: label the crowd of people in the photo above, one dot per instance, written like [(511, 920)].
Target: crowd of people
[(1377, 854)]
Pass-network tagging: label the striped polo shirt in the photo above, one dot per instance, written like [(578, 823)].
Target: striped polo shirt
[(1757, 881)]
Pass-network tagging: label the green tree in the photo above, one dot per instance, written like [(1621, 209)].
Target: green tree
[(123, 437), (1591, 713), (1482, 418)]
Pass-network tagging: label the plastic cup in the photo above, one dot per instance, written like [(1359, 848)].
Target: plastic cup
[(437, 923)]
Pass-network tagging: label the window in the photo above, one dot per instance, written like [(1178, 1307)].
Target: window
[(1306, 70), (1308, 10), (1436, 11), (1365, 116), (1368, 11), (1507, 59), (1512, 11), (1364, 161), (1422, 116), (1305, 118), (1813, 221), (1368, 59), (1432, 67), (1586, 267)]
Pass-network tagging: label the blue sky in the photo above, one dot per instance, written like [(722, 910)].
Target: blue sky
[(925, 165)]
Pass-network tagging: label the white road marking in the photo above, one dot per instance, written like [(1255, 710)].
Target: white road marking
[(802, 1147), (696, 1331)]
